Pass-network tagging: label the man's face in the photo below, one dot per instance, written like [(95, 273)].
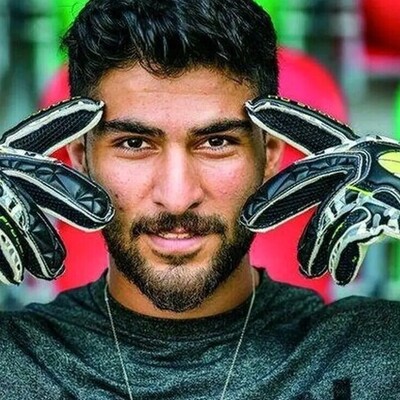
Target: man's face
[(179, 158)]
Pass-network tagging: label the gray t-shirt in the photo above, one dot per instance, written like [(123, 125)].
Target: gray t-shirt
[(294, 348)]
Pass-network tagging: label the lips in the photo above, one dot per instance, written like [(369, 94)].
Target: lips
[(176, 242)]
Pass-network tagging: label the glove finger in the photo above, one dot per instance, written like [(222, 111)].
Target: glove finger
[(45, 250), (346, 250), (314, 244), (304, 128), (59, 189), (363, 226), (313, 254), (297, 188), (41, 250), (52, 128), (11, 251)]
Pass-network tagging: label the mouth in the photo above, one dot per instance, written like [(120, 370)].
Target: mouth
[(176, 242)]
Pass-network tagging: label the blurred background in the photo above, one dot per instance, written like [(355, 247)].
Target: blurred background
[(341, 56)]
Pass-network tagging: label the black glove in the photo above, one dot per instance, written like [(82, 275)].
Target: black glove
[(30, 181), (355, 181)]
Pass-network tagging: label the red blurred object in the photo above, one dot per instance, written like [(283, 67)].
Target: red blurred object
[(380, 38), (382, 25), (303, 79), (86, 252)]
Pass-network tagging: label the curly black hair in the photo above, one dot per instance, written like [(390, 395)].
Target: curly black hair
[(170, 37)]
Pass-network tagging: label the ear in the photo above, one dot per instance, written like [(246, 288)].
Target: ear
[(274, 151), (77, 154)]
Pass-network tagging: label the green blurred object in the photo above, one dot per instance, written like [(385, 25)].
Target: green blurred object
[(67, 10), (291, 20), (65, 13), (274, 9), (394, 244), (397, 113)]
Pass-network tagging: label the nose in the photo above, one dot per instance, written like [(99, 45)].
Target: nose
[(177, 187)]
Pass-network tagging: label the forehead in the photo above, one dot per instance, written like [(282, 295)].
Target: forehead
[(192, 99)]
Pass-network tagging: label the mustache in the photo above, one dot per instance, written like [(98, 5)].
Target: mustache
[(188, 221)]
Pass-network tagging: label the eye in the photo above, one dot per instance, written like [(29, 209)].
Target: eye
[(219, 142), (216, 142), (135, 144), (218, 146)]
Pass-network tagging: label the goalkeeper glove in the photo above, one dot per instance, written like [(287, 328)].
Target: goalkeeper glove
[(354, 181), (30, 182)]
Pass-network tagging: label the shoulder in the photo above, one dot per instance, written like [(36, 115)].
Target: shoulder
[(356, 309), (355, 333), (294, 303), (73, 307), (359, 328), (354, 322)]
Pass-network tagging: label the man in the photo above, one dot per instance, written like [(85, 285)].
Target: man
[(181, 313)]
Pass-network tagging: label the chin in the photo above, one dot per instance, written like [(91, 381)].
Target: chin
[(178, 281)]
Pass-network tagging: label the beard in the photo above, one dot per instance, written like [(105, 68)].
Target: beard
[(182, 286)]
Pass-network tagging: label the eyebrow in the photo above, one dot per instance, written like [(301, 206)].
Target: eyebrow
[(136, 127), (223, 126), (130, 126)]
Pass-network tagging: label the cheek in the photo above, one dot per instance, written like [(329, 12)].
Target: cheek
[(126, 186), (233, 183)]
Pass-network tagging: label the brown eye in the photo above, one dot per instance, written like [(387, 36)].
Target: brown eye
[(216, 141), (134, 143)]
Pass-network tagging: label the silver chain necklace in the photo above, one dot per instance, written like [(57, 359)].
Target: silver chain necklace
[(228, 378)]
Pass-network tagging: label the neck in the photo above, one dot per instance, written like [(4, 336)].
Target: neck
[(233, 292)]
